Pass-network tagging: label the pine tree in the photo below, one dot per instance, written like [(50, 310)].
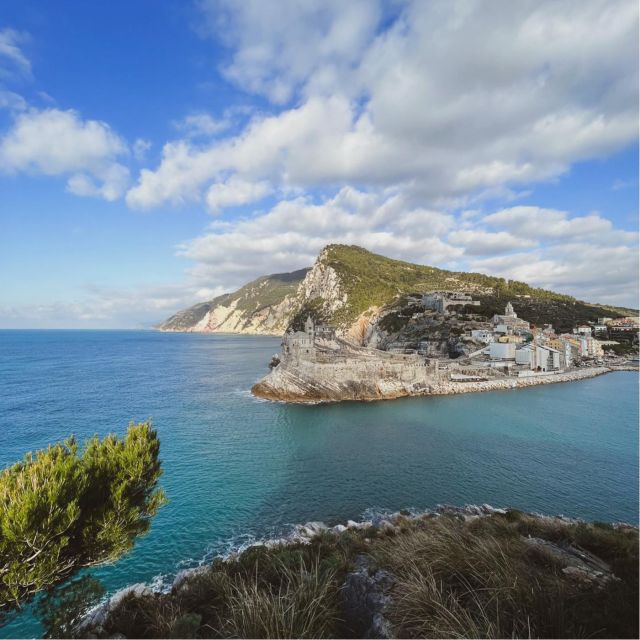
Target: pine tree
[(61, 510)]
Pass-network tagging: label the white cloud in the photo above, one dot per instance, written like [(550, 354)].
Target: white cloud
[(12, 59), (290, 235), (234, 192), (449, 101), (605, 274), (536, 222), (108, 307), (12, 101), (623, 184), (55, 142), (140, 148), (477, 242), (278, 48), (202, 124)]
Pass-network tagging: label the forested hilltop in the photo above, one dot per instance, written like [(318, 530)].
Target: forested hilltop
[(352, 288)]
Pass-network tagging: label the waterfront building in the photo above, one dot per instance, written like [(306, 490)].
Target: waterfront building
[(547, 358), (502, 351), (526, 356), (568, 353), (538, 357)]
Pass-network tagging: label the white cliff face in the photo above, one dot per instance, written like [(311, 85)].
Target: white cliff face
[(323, 282), (268, 320), (264, 306)]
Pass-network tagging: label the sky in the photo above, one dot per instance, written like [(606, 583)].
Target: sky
[(157, 153)]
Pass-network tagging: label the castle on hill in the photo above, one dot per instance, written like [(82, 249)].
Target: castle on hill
[(302, 344)]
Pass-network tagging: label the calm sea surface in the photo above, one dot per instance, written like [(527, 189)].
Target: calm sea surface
[(237, 468)]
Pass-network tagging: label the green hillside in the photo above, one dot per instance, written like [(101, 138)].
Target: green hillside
[(369, 280)]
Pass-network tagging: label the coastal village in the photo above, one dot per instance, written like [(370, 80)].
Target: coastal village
[(503, 351)]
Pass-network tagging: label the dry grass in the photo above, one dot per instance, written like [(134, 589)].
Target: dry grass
[(263, 594), (480, 580), (303, 605), (454, 579)]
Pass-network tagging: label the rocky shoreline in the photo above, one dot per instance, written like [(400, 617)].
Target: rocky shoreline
[(306, 386), (366, 590)]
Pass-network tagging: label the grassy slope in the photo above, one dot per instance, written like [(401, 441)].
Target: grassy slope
[(254, 296), (373, 280), (452, 578)]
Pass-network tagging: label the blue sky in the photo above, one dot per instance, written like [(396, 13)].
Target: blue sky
[(155, 154)]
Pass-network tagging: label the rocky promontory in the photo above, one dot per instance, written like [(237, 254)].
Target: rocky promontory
[(386, 379)]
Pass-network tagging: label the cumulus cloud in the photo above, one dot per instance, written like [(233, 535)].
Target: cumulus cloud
[(290, 234), (235, 192), (275, 52), (605, 274), (55, 142), (447, 100), (478, 242), (538, 223)]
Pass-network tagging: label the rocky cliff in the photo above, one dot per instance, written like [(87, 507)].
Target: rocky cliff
[(368, 298), (264, 306)]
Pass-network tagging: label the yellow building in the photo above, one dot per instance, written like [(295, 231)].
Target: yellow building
[(511, 339)]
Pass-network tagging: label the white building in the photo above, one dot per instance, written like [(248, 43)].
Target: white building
[(547, 359), (502, 351), (539, 357), (526, 355), (482, 335)]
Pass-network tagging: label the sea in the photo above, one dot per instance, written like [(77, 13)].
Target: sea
[(238, 469)]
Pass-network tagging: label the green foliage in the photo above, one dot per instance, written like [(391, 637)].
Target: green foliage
[(622, 349), (374, 280), (61, 510)]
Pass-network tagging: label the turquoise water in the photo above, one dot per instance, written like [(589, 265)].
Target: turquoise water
[(236, 467)]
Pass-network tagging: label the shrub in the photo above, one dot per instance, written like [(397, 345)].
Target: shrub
[(61, 510)]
